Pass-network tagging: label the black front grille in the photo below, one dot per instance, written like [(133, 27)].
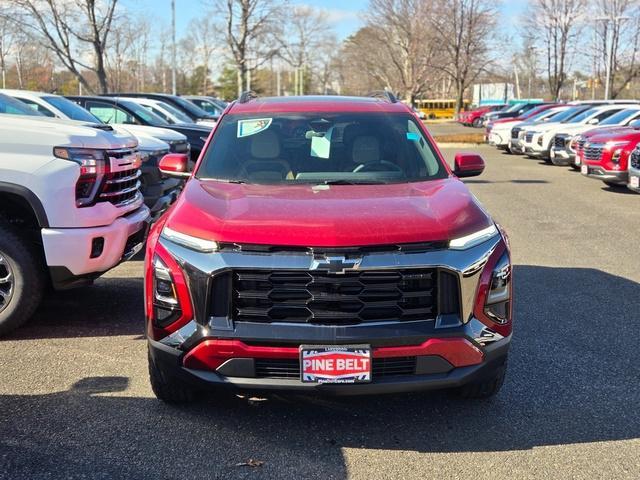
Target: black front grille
[(634, 158), (593, 151), (290, 368), (528, 137), (320, 297), (515, 131), (560, 141), (120, 187)]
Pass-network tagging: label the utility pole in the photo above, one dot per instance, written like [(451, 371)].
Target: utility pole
[(173, 47), (609, 49)]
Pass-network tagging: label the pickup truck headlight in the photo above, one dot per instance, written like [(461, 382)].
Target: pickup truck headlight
[(93, 166)]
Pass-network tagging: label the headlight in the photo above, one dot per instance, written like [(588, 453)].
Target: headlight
[(188, 241), (616, 149), (93, 167), (473, 239), (498, 302)]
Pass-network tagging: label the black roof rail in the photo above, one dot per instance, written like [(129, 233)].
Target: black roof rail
[(385, 94), (246, 96)]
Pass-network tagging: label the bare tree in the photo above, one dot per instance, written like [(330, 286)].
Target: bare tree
[(464, 28), (7, 38), (203, 34), (555, 25), (71, 29), (249, 26), (394, 48)]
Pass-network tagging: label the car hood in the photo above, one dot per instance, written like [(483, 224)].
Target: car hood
[(164, 134), (324, 216), (626, 134)]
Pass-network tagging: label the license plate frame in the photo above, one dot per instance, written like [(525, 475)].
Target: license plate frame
[(634, 181), (341, 364), (584, 169)]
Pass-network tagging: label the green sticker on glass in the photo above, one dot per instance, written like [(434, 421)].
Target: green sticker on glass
[(252, 126)]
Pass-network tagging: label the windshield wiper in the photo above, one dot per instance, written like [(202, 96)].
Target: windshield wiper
[(224, 180), (352, 182)]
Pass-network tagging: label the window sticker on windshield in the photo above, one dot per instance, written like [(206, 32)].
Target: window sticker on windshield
[(321, 144), (252, 126), (413, 136)]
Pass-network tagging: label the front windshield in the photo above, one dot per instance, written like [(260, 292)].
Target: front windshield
[(582, 116), (15, 107), (71, 110), (148, 116), (545, 114), (622, 117), (320, 148), (180, 116)]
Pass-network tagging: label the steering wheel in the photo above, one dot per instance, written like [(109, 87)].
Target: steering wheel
[(378, 166)]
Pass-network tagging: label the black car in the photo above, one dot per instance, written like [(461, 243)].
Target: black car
[(137, 114), (192, 111)]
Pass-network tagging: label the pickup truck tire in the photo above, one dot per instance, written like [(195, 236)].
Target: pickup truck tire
[(485, 388), (24, 282), (169, 389)]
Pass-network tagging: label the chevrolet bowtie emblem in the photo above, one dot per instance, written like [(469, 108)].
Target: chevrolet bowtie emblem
[(335, 264)]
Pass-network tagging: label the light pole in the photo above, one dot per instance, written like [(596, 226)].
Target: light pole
[(173, 47)]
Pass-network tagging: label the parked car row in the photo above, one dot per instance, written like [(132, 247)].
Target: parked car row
[(80, 183), (599, 138)]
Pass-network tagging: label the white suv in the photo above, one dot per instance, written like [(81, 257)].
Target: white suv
[(538, 140), (70, 208)]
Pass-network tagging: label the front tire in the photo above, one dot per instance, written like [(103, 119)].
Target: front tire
[(22, 279), (169, 389)]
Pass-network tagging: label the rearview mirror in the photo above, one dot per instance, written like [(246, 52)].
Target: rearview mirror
[(468, 165), (175, 165)]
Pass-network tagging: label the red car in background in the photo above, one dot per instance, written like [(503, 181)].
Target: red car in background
[(473, 117), (606, 156)]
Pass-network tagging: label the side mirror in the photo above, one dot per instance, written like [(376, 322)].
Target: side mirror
[(175, 165), (593, 121), (468, 165), (635, 124)]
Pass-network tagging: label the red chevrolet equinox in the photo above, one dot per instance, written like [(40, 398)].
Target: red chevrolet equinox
[(323, 245)]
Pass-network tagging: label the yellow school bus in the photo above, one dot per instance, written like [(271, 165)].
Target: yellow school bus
[(439, 108)]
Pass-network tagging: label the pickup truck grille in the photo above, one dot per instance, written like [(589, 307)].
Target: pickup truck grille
[(528, 137), (515, 131), (634, 159), (121, 184), (290, 368), (593, 151), (321, 297)]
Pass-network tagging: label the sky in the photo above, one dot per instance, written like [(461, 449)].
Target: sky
[(344, 15)]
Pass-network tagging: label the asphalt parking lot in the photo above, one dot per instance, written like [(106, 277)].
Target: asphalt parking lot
[(75, 401)]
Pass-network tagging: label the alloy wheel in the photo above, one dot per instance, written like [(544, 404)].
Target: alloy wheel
[(6, 283)]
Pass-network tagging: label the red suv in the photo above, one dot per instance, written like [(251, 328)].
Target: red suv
[(322, 244), (606, 156)]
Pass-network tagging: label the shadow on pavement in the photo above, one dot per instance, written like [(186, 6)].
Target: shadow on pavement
[(573, 378)]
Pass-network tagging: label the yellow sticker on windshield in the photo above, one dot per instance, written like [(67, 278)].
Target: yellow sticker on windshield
[(252, 126)]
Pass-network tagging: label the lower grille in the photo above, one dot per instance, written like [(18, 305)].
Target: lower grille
[(290, 368), (320, 297), (634, 158), (593, 151)]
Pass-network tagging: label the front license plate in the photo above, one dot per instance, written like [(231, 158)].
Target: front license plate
[(634, 182), (577, 161), (584, 170), (335, 364)]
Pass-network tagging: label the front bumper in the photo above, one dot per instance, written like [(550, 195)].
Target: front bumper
[(70, 249), (599, 173), (433, 376), (560, 156), (203, 349)]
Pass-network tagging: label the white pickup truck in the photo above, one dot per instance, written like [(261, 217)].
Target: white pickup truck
[(70, 208)]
